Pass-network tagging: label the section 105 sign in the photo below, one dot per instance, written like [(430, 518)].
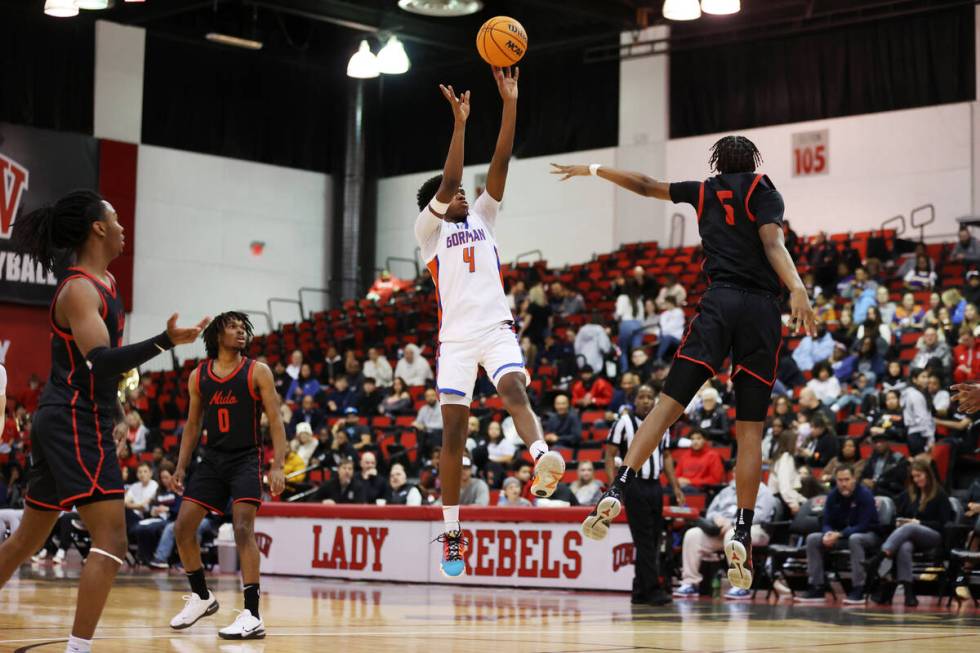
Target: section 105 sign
[(811, 153)]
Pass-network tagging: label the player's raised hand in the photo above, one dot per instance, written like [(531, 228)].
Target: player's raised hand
[(460, 105), (570, 171), (801, 313), (967, 395), (184, 335), (506, 79)]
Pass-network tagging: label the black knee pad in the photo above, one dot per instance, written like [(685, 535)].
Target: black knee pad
[(684, 380), (751, 398)]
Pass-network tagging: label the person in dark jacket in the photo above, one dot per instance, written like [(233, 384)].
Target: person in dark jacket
[(923, 512), (850, 520), (562, 428), (343, 487), (886, 471), (822, 443)]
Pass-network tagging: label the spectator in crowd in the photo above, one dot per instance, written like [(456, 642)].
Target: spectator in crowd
[(699, 466), (560, 352), (341, 397), (894, 379), (886, 470), (293, 469), (671, 328), (867, 361), (304, 443), (385, 287), (499, 449), (413, 368), (932, 353), (399, 492), (671, 288), (399, 401), (370, 398), (824, 384), (642, 366), (282, 380), (136, 432), (823, 309), (923, 511), (971, 291), (711, 417), (536, 316), (511, 497), (623, 395), (586, 488), (886, 307), (967, 357), (920, 424), (473, 491), (647, 283), (295, 363), (304, 384), (821, 444), (888, 420), (782, 407), (921, 276), (342, 487), (591, 392), (630, 315), (592, 344), (908, 315), (932, 311), (309, 413), (810, 405), (358, 435), (850, 520), (428, 421), (971, 319), (812, 350), (378, 368), (784, 478), (332, 365), (874, 328), (707, 538), (158, 515), (848, 455), (562, 428), (857, 285), (967, 249), (566, 302), (516, 295), (139, 495), (771, 436), (374, 484), (860, 393), (938, 396), (823, 261)]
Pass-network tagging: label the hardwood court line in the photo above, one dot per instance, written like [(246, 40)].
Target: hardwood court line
[(845, 643)]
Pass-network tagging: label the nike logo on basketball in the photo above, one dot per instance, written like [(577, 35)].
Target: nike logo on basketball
[(223, 398)]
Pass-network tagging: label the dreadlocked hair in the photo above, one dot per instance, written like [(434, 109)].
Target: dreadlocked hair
[(213, 331), (47, 234), (428, 190), (734, 154)]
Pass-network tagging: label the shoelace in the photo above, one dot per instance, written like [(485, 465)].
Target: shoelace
[(453, 543)]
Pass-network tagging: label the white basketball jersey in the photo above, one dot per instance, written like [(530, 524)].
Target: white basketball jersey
[(465, 266)]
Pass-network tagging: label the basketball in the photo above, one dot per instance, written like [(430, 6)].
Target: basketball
[(501, 41)]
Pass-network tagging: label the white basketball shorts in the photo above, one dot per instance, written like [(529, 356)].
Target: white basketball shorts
[(497, 351)]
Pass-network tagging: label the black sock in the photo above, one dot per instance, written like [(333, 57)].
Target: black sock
[(743, 519), (198, 584), (252, 599), (623, 477)]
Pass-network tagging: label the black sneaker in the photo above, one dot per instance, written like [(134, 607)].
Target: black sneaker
[(855, 596), (812, 594), (596, 525), (659, 597), (738, 550)]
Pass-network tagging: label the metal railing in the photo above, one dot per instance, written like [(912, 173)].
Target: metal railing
[(265, 314), (899, 219), (921, 226), (533, 252), (322, 291), (401, 259), (677, 223), (283, 300)]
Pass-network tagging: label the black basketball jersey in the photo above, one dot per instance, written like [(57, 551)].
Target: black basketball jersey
[(731, 208), (71, 382), (231, 405)]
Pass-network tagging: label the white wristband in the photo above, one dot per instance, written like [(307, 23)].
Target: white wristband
[(594, 168), (437, 207)]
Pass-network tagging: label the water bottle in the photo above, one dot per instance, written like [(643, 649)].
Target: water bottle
[(716, 587)]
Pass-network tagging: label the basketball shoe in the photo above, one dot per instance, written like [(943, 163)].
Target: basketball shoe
[(548, 471), (738, 550), (245, 626), (454, 547), (194, 610), (596, 525)]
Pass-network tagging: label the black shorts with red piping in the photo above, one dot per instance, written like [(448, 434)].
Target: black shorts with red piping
[(745, 323), (73, 458), (222, 476)]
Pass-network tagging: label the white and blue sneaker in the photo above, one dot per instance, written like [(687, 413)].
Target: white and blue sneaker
[(687, 591), (454, 547), (737, 594)]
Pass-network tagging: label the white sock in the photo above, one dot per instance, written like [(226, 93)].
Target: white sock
[(538, 448), (78, 645), (450, 516)]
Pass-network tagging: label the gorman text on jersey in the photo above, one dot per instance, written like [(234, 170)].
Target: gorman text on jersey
[(464, 237)]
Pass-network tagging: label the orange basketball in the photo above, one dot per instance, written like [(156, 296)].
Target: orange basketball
[(501, 41)]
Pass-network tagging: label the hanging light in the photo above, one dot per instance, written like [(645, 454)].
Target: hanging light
[(681, 10), (392, 59), (92, 4), (363, 64), (61, 8), (720, 7)]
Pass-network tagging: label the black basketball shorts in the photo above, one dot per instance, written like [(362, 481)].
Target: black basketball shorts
[(222, 476), (73, 458)]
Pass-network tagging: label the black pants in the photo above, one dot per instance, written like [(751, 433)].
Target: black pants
[(644, 512)]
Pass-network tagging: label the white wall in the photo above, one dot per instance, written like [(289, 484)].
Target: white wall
[(119, 54), (195, 218), (568, 221), (881, 165)]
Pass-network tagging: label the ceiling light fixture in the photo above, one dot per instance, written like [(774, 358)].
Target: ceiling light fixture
[(363, 64), (61, 8), (392, 60), (681, 10), (720, 7), (93, 5), (441, 8)]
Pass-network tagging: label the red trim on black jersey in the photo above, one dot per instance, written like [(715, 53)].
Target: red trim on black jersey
[(203, 505), (45, 506), (755, 182), (742, 368), (110, 287), (238, 369), (251, 389), (678, 354), (700, 200)]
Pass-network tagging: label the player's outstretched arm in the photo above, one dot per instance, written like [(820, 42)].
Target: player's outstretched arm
[(192, 431), (452, 171), (802, 316), (497, 175), (270, 403), (637, 182)]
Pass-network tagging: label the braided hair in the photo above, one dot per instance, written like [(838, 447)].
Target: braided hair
[(49, 233), (213, 331), (734, 154)]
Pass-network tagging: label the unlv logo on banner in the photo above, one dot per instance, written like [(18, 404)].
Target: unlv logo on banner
[(14, 177)]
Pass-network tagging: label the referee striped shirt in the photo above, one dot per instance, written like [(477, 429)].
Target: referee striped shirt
[(621, 435)]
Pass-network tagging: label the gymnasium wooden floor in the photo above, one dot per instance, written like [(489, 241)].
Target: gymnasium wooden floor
[(313, 615)]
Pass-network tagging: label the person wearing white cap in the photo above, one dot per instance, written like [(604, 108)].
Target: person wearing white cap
[(304, 443)]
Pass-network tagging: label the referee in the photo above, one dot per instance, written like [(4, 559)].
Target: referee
[(644, 497)]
